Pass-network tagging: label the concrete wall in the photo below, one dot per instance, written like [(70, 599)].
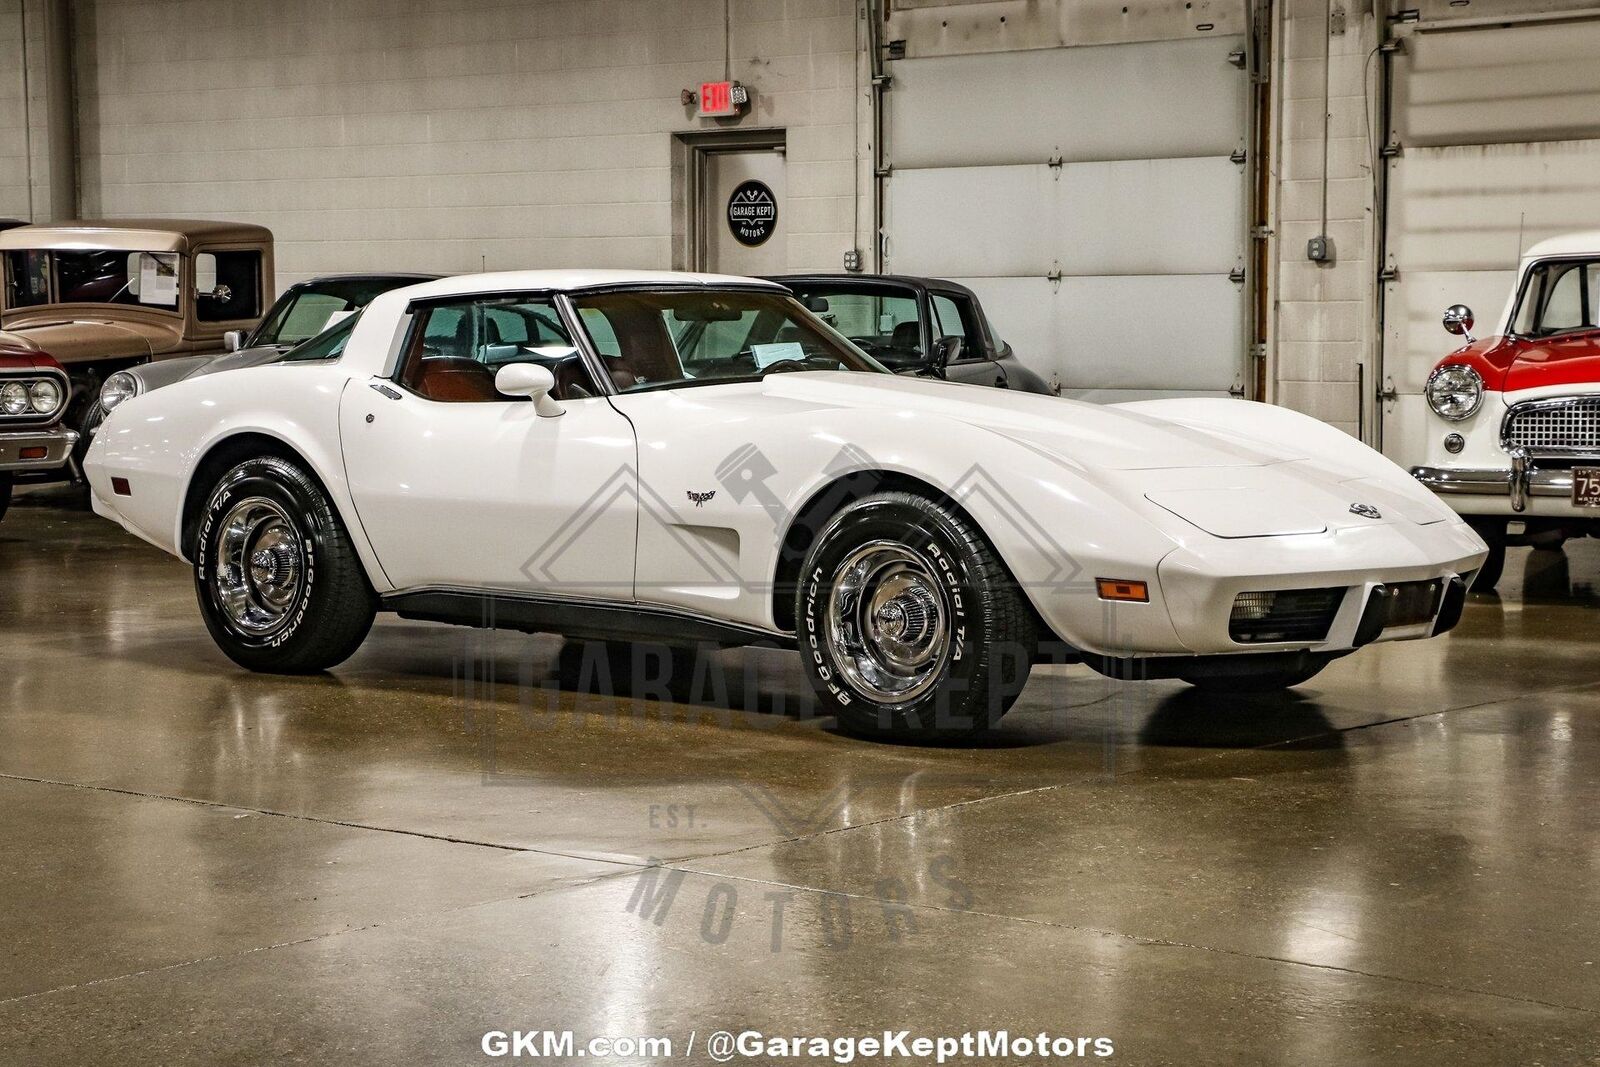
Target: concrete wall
[(1322, 314), (462, 133), (24, 119)]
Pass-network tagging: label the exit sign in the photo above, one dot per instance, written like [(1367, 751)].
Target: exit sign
[(721, 100)]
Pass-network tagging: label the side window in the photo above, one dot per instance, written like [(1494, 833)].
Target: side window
[(954, 317), (455, 350), (310, 315), (227, 286)]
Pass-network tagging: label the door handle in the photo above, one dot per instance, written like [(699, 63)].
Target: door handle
[(385, 390)]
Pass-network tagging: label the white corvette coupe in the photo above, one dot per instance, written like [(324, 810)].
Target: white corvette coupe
[(693, 460)]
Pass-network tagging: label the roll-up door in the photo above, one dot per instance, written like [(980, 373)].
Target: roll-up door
[(1094, 197)]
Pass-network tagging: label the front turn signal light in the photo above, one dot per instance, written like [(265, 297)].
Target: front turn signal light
[(1123, 589)]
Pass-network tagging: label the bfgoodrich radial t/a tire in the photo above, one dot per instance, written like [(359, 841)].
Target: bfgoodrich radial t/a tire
[(908, 623), (280, 586)]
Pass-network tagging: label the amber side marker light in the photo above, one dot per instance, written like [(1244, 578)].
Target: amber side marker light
[(121, 487), (1122, 589), (33, 452)]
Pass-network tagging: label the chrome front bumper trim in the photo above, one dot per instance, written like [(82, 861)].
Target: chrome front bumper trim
[(57, 444), (1519, 482)]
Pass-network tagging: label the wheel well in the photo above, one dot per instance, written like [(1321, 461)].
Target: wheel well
[(222, 457), (823, 505)]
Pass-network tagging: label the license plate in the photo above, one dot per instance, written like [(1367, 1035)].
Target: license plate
[(1586, 487)]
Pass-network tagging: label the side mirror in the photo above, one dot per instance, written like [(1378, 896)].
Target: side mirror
[(1458, 320), (530, 380), (233, 340), (946, 350)]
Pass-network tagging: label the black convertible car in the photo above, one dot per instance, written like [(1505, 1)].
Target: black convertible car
[(916, 326)]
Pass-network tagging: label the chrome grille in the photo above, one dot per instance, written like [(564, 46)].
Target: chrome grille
[(1561, 425)]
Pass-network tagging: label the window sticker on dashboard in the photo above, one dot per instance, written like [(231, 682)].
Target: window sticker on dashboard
[(767, 355)]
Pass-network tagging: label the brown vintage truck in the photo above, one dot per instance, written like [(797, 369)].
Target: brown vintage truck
[(103, 295)]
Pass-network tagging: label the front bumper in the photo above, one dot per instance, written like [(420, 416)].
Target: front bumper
[(1522, 482), (23, 451)]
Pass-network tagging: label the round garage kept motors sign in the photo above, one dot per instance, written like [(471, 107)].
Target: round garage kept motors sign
[(752, 213)]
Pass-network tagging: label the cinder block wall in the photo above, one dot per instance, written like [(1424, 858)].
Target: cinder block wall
[(467, 133), (24, 126), (1322, 314)]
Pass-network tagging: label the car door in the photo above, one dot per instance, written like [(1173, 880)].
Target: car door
[(952, 314), (460, 487)]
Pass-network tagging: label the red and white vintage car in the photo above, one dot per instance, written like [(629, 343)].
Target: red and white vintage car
[(33, 398), (1516, 447)]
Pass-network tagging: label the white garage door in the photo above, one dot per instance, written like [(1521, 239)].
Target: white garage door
[(1499, 131), (1089, 196)]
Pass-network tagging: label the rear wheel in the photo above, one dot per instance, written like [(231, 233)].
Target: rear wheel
[(279, 583), (908, 624)]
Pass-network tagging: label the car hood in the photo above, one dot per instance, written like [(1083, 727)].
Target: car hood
[(245, 357), (81, 340), (1512, 364), (1091, 434)]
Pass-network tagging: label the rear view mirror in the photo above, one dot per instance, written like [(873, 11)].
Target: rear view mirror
[(1458, 320), (816, 304)]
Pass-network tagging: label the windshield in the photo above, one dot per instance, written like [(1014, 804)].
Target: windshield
[(307, 310), (884, 322), (37, 277), (1558, 296), (655, 340), (329, 344)]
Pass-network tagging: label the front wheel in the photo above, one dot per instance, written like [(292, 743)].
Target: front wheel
[(279, 584), (908, 623), (7, 479)]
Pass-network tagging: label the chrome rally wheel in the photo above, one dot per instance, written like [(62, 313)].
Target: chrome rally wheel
[(908, 623), (279, 582), (888, 624), (261, 565)]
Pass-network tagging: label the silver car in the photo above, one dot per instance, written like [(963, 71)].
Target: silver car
[(304, 311)]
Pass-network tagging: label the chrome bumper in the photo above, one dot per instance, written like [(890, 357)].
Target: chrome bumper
[(57, 444), (1521, 481)]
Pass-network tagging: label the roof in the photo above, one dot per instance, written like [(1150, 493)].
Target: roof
[(530, 280), (913, 281), (367, 276), (372, 342), (1581, 243), (133, 235)]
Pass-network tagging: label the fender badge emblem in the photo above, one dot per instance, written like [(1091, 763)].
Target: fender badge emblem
[(1366, 511), (701, 498)]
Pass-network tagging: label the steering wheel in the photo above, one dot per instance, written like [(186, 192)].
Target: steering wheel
[(784, 365)]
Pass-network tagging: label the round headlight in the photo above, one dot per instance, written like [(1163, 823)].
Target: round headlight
[(45, 396), (1454, 391), (13, 399), (119, 387)]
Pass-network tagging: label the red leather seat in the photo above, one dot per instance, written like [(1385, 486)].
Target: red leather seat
[(455, 380)]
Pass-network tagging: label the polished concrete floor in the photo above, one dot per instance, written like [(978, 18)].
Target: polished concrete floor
[(459, 832)]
